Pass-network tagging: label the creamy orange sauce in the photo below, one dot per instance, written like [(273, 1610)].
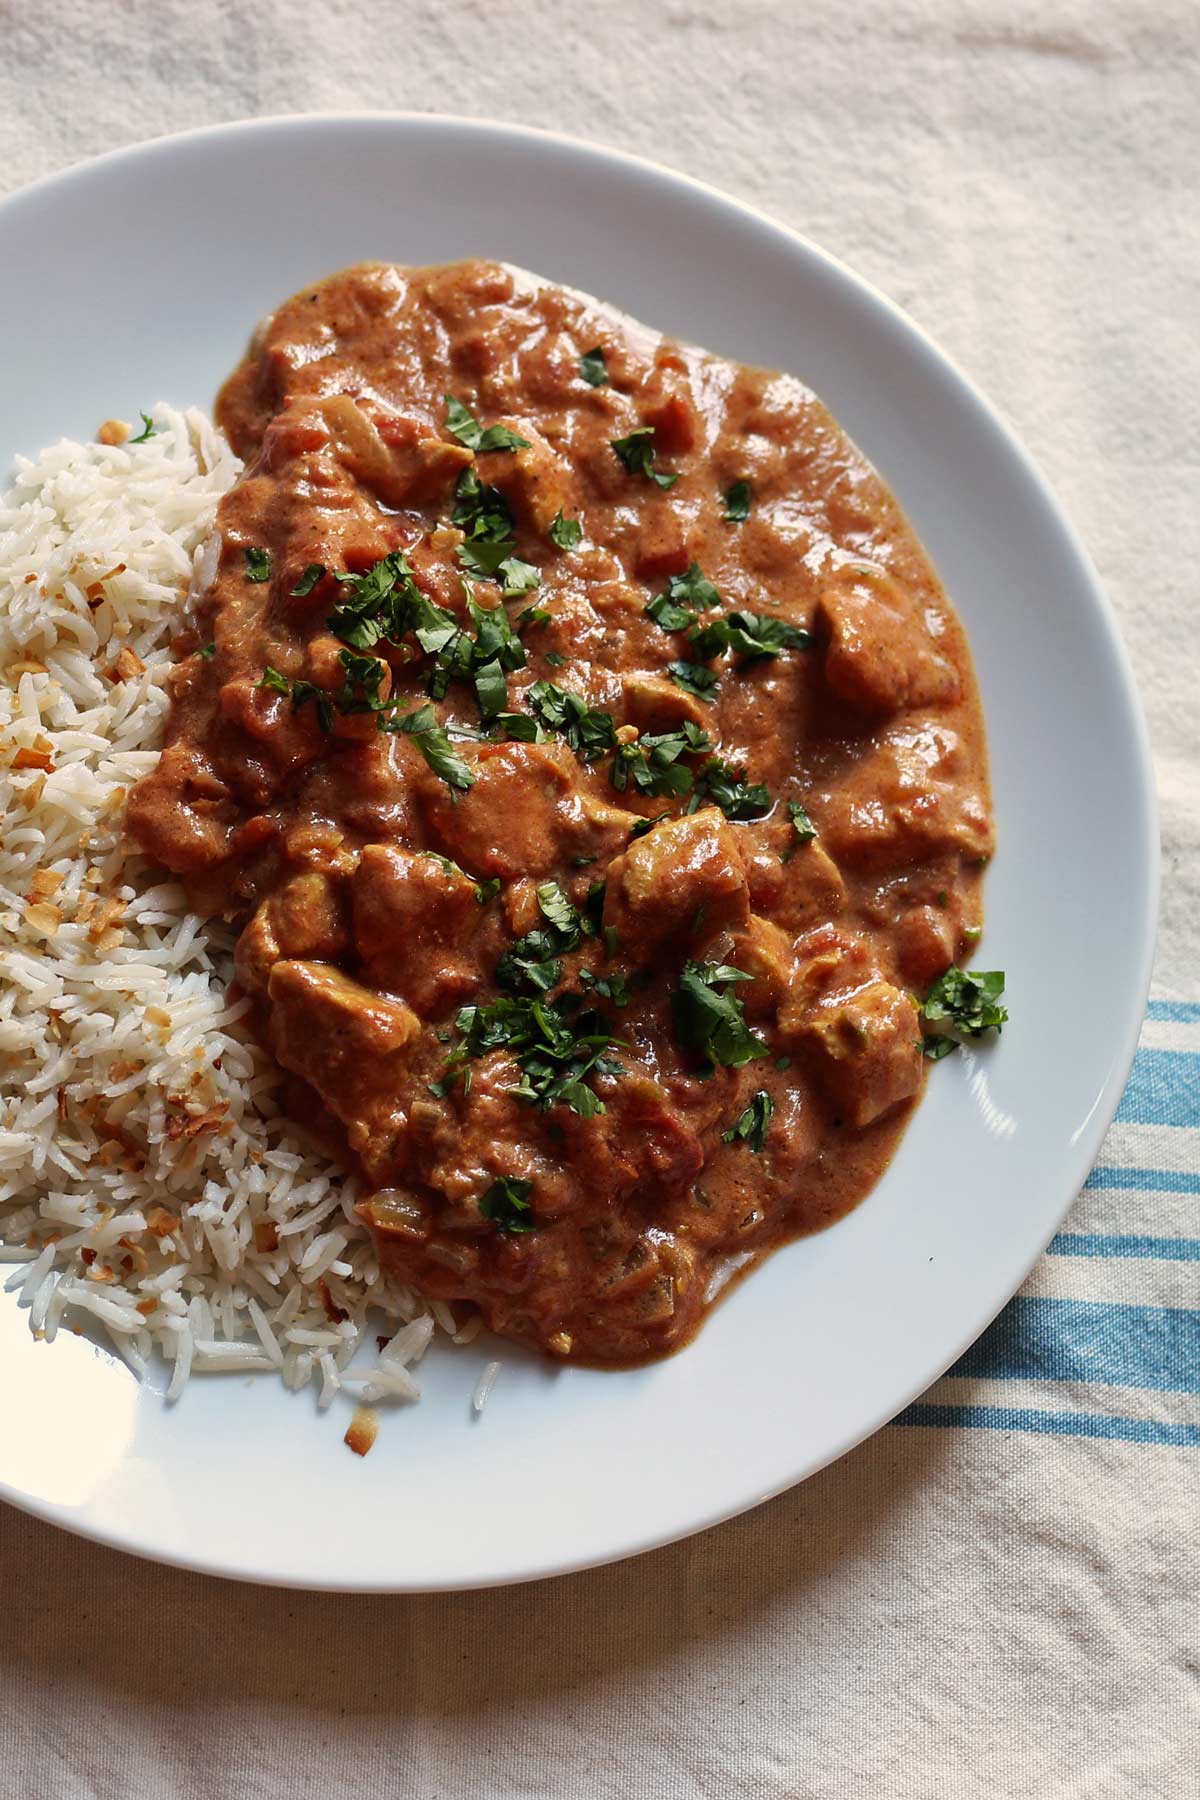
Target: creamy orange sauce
[(363, 882)]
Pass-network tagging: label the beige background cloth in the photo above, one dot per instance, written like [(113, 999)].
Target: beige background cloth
[(946, 1614)]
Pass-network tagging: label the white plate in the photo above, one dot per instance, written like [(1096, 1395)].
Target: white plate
[(138, 278)]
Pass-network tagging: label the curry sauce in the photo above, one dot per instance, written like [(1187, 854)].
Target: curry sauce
[(582, 743)]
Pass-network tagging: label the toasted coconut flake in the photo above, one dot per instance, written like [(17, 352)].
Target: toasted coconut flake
[(43, 918), (363, 1430), (110, 909), (161, 1222), (34, 759), (155, 1015), (44, 883), (127, 666)]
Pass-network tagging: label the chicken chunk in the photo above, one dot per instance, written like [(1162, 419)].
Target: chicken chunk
[(879, 655), (304, 919), (797, 884), (522, 817), (860, 1034), (350, 1044), (866, 1050), (535, 481), (764, 952), (906, 800), (684, 878), (416, 920), (653, 703)]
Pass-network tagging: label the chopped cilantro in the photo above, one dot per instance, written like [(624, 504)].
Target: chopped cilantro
[(612, 987), (751, 1127), (273, 681), (555, 659), (802, 825), (433, 742), (674, 610), (560, 912), (506, 1203), (749, 635), (148, 429), (694, 678), (565, 533), (258, 563), (383, 603), (709, 1020), (589, 734), (308, 581), (556, 1045), (593, 367), (967, 1003), (652, 765), (694, 587), (462, 424), (518, 577), (727, 788), (491, 689), (636, 452), (208, 652), (737, 503)]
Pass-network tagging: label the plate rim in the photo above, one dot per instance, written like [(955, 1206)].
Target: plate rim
[(1125, 1032)]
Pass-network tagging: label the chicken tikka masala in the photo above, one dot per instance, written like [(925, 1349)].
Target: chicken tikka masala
[(582, 742)]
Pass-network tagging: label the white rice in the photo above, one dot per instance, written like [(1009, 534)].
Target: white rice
[(128, 1091)]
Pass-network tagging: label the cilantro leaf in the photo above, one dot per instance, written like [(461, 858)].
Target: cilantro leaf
[(749, 635), (506, 1203), (565, 533), (593, 367), (674, 609), (967, 1002), (481, 511), (694, 678), (556, 1046), (560, 911), (433, 741), (612, 987), (636, 452), (751, 1127), (258, 563), (589, 734), (737, 503), (308, 581), (208, 652), (462, 424), (802, 825), (518, 577), (652, 765), (709, 1021), (272, 680), (148, 430), (737, 798), (693, 588), (663, 610), (491, 689)]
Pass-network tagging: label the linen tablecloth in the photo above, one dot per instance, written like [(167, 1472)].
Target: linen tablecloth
[(997, 1595)]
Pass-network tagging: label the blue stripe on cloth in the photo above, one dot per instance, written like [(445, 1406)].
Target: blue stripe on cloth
[(1163, 1089), (1152, 1181), (1089, 1341), (1069, 1243), (1175, 1012), (1062, 1424)]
